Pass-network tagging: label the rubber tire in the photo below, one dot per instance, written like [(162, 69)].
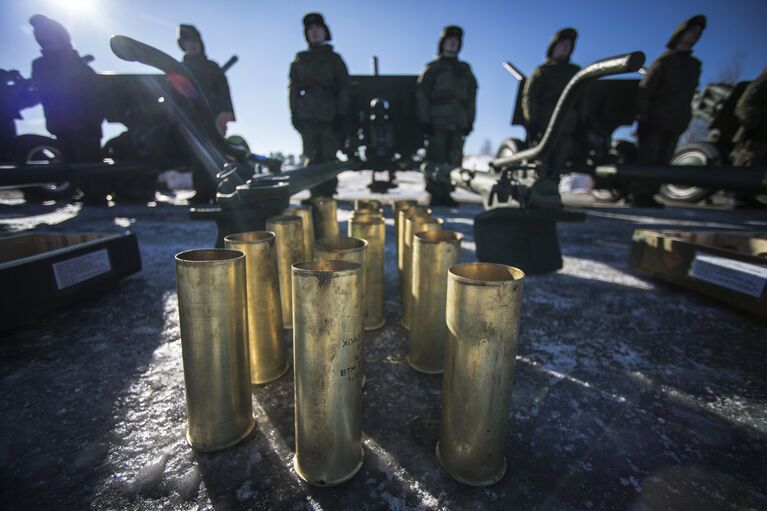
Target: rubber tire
[(140, 188), (694, 153), (24, 149)]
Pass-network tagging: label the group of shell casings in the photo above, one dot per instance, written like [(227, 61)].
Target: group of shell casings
[(301, 275)]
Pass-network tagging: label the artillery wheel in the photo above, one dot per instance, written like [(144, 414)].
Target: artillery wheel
[(139, 188), (39, 149), (696, 153)]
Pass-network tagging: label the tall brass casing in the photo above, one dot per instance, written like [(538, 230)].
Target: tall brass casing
[(214, 347), (268, 360), (413, 224), (367, 204), (434, 252), (368, 212), (305, 212), (343, 248), (327, 350), (400, 226), (373, 230), (325, 218), (289, 235), (397, 205), (483, 308)]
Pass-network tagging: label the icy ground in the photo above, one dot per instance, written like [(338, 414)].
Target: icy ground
[(628, 394)]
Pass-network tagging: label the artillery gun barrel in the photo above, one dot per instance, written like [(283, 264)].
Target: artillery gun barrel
[(749, 179), (627, 63)]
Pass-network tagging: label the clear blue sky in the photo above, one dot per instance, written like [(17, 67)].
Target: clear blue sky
[(403, 34)]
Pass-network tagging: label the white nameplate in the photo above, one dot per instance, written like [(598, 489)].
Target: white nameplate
[(81, 268), (738, 276)]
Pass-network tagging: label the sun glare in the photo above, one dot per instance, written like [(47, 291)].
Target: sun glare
[(81, 6)]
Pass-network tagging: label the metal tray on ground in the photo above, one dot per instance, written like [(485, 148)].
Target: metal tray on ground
[(728, 266), (41, 272)]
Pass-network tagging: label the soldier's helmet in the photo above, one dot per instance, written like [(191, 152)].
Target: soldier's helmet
[(683, 27), (565, 33), (450, 31), (190, 33), (49, 33), (315, 18)]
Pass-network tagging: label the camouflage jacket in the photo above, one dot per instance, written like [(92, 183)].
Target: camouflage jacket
[(212, 81), (541, 93), (751, 111), (447, 94), (665, 93), (319, 88)]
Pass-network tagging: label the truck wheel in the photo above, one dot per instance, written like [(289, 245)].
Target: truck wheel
[(40, 150), (696, 153)]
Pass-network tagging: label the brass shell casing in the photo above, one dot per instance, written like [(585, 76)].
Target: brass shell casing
[(327, 350), (434, 252), (305, 212), (413, 224), (482, 312), (400, 226), (373, 230), (268, 360), (325, 218), (289, 237), (367, 204), (214, 347)]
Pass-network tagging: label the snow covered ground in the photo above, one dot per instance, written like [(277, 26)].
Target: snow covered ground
[(628, 393)]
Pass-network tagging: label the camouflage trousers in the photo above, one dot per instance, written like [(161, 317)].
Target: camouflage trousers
[(654, 147), (443, 147), (321, 143)]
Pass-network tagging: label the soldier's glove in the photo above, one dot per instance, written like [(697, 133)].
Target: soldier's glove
[(338, 123)]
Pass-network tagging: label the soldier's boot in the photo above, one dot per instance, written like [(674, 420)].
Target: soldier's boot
[(440, 194)]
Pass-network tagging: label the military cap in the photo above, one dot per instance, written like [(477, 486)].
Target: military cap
[(450, 31), (315, 18), (698, 20), (189, 33), (565, 33)]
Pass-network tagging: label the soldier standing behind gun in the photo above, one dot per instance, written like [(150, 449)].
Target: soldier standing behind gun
[(664, 103), (212, 80), (319, 97), (68, 91), (446, 102), (751, 139), (541, 94)]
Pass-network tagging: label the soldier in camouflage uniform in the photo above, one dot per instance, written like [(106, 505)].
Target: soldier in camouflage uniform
[(446, 103), (751, 138), (542, 91), (664, 103), (319, 96), (212, 80)]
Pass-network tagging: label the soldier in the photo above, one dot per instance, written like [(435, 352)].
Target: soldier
[(68, 90), (542, 91), (212, 80), (319, 95), (751, 138), (446, 102), (664, 103)]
